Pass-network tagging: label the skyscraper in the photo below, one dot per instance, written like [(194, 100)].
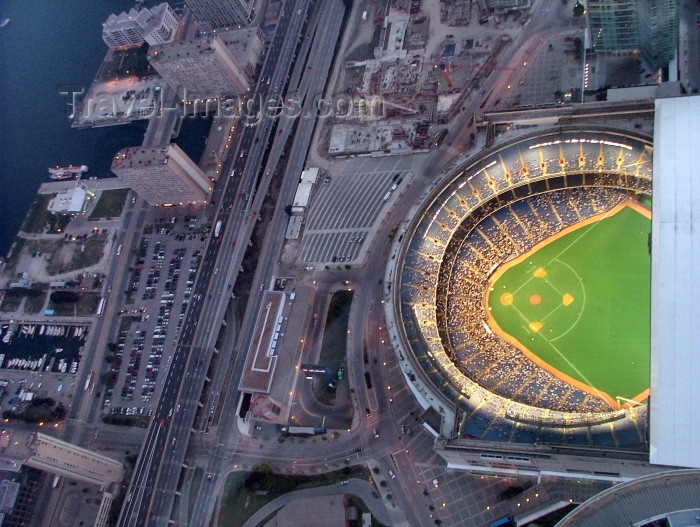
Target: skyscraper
[(613, 25), (214, 14), (625, 26), (658, 31), (162, 175), (210, 66), (156, 25)]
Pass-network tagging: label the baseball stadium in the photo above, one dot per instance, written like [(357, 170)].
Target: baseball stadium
[(521, 289)]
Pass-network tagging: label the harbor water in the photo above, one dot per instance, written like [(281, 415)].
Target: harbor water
[(53, 348), (51, 46)]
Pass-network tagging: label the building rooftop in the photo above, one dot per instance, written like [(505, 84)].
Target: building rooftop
[(236, 40), (140, 157), (668, 495), (328, 511), (261, 358), (69, 201), (675, 266), (8, 495)]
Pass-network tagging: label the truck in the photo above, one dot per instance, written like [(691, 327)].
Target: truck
[(119, 249), (101, 307), (440, 137), (217, 229)]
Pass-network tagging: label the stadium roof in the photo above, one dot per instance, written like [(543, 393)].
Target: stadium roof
[(675, 271)]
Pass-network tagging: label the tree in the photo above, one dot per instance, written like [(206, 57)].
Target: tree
[(579, 8), (64, 297), (578, 48), (107, 378)]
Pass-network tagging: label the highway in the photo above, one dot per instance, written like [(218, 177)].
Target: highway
[(151, 492), (320, 56), (367, 303)]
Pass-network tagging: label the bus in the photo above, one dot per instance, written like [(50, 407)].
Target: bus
[(101, 307), (88, 381), (303, 430), (119, 249), (506, 521)]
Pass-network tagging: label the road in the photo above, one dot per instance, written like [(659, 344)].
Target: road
[(219, 462), (154, 483), (85, 405)]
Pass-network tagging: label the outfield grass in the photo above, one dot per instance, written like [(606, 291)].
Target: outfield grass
[(579, 305)]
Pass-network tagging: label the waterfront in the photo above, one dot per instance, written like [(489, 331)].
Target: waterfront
[(49, 47)]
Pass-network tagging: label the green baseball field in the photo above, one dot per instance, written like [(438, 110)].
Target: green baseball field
[(578, 304)]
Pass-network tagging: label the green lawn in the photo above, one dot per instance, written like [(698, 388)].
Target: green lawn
[(110, 204), (588, 314)]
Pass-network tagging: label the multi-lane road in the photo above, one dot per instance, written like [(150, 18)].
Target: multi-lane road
[(220, 459), (154, 483)]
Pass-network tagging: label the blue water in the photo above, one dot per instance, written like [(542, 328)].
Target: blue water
[(47, 45)]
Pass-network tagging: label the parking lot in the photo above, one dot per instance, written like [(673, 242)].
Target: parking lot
[(163, 270), (342, 213)]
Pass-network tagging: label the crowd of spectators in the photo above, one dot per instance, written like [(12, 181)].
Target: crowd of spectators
[(481, 220), (510, 231)]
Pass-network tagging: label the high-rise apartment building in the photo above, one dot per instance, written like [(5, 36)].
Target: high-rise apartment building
[(649, 26), (162, 175), (154, 26), (212, 66), (215, 14)]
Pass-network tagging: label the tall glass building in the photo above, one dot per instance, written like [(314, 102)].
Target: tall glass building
[(658, 31), (650, 26), (613, 25)]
